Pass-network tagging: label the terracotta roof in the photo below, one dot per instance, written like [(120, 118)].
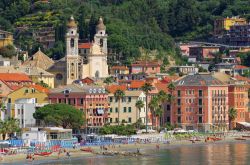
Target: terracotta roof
[(146, 63), (87, 80), (39, 59), (84, 45), (113, 88), (241, 78), (137, 84), (130, 93), (14, 77), (168, 79), (161, 86), (240, 67), (119, 67)]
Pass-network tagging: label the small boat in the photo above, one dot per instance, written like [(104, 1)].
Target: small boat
[(240, 139), (43, 153), (245, 136), (86, 149)]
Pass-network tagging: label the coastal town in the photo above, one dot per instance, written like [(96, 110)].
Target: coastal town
[(91, 98)]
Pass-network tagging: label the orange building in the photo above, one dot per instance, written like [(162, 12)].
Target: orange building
[(238, 97), (148, 67), (201, 102)]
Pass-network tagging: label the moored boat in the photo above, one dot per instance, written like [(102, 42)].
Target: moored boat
[(43, 153), (86, 149)]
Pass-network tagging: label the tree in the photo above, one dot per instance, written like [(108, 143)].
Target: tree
[(63, 115), (139, 104), (232, 115), (92, 27), (162, 96), (109, 80), (153, 105), (8, 51), (119, 94), (9, 127), (146, 89)]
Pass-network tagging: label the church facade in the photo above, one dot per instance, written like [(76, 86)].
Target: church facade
[(74, 66)]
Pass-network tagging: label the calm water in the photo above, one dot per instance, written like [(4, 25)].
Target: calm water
[(212, 154)]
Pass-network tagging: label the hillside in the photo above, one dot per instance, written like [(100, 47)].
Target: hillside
[(150, 24)]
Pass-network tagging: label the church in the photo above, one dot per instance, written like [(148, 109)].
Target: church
[(76, 65)]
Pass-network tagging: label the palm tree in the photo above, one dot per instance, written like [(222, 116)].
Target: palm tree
[(139, 104), (158, 113), (171, 87), (170, 96), (119, 94), (153, 105), (162, 96), (8, 127), (146, 88), (232, 115)]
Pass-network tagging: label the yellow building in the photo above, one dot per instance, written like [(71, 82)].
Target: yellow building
[(6, 38), (128, 112), (36, 94), (224, 24)]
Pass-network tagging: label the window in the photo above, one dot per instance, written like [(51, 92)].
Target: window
[(179, 119), (59, 101), (168, 107), (123, 99), (200, 93), (26, 91), (110, 120), (9, 100), (72, 42), (129, 99), (179, 111), (116, 100), (200, 110), (179, 102), (35, 100), (116, 109), (179, 93), (32, 90), (129, 120), (18, 111), (110, 110), (116, 120), (69, 101), (129, 109), (81, 101), (111, 99), (200, 101), (200, 119), (153, 68), (124, 109)]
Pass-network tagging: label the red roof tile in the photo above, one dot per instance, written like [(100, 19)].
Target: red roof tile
[(119, 67), (84, 45), (39, 88), (168, 79), (137, 84), (241, 78), (113, 88), (14, 77), (240, 67), (87, 80), (161, 86)]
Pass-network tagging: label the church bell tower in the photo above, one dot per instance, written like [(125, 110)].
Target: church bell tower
[(71, 56), (100, 37)]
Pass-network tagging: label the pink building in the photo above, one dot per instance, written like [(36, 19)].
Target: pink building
[(92, 100), (148, 67), (201, 102)]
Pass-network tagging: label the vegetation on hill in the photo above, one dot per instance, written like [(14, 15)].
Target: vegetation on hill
[(149, 24)]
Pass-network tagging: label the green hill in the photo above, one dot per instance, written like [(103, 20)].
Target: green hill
[(150, 24)]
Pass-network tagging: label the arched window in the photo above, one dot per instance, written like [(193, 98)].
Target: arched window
[(101, 42), (72, 42)]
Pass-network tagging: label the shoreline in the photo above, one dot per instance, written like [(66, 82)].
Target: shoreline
[(77, 153)]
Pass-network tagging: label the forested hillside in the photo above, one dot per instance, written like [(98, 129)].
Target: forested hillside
[(150, 24)]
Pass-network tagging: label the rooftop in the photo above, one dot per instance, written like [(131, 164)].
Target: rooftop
[(240, 67), (137, 84), (18, 77), (84, 45), (199, 80), (114, 88), (39, 59)]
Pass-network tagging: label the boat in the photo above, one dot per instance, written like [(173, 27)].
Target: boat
[(245, 136), (43, 153), (240, 139), (86, 149)]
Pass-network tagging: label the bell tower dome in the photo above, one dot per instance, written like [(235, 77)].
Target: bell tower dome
[(72, 51), (101, 36)]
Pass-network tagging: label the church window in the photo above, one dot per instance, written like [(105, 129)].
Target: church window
[(101, 42), (72, 32), (72, 44), (72, 74), (72, 64), (100, 32)]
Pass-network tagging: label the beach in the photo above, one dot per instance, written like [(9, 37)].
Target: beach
[(143, 148)]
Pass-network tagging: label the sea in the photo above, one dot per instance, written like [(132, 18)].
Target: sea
[(203, 154)]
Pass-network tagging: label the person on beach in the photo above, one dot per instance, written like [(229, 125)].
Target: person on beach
[(138, 150), (68, 154)]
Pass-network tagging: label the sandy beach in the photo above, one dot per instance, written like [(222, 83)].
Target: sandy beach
[(75, 153)]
